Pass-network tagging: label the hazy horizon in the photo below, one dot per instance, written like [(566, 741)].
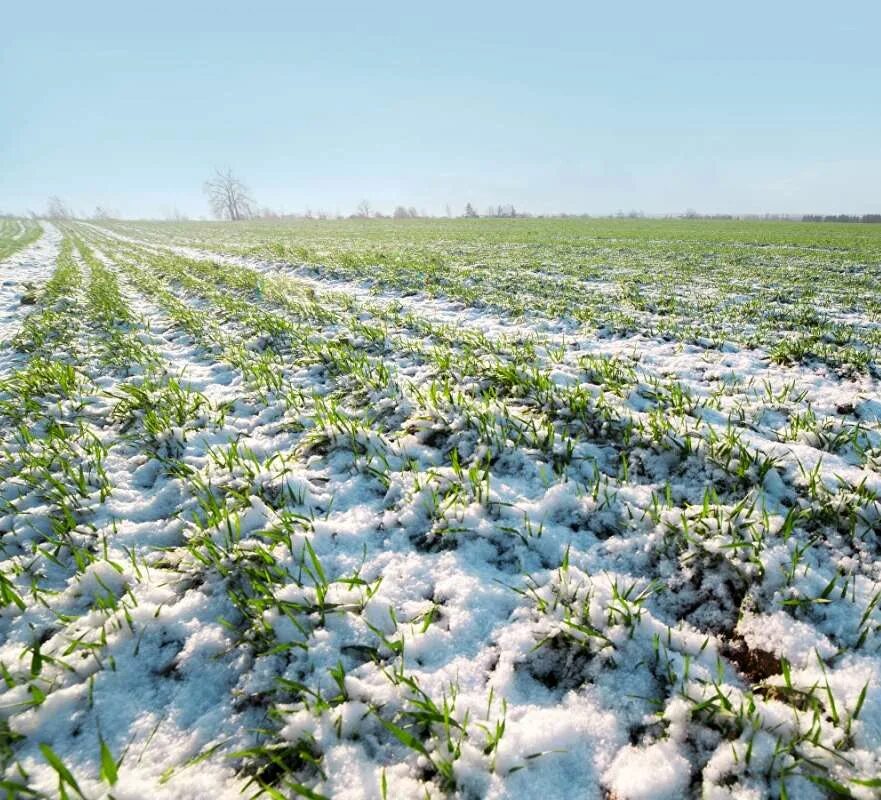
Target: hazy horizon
[(564, 109)]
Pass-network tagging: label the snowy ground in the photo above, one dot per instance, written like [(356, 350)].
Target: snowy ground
[(277, 534), (19, 276)]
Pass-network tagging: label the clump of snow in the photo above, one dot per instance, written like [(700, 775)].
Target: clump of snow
[(657, 771)]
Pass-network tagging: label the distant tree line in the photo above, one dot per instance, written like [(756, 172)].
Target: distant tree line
[(230, 199), (841, 218), (502, 211), (692, 214)]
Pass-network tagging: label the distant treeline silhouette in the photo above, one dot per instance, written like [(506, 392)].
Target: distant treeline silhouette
[(841, 218)]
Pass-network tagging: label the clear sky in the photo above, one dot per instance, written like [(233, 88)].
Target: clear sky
[(580, 107)]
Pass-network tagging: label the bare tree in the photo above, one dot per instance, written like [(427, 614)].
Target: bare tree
[(469, 211), (228, 196), (363, 209), (56, 209)]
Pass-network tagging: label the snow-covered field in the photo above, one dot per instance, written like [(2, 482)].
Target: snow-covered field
[(270, 528)]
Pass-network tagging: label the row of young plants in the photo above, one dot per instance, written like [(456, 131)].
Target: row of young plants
[(676, 397), (805, 303), (478, 477), (254, 573), (54, 482), (90, 391), (748, 469), (499, 370), (16, 234)]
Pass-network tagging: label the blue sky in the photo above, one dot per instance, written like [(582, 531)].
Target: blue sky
[(591, 107)]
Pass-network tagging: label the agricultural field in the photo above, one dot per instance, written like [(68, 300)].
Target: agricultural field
[(16, 234), (440, 508)]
